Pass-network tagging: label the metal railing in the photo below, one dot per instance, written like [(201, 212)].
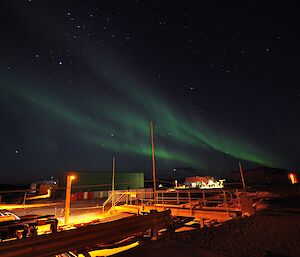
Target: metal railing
[(193, 199), (112, 198), (106, 202), (190, 200)]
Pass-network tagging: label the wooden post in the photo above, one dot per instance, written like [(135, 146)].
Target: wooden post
[(150, 198), (201, 222), (153, 163), (68, 198), (24, 199), (242, 176), (189, 194), (226, 205), (113, 183), (238, 198)]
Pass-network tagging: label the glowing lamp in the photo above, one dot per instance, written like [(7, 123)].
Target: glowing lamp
[(293, 178)]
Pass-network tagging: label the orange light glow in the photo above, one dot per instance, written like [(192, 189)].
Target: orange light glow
[(40, 196), (73, 177), (19, 206), (112, 251), (293, 178)]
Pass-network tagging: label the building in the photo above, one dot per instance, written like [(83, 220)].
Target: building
[(262, 176), (41, 187), (98, 180), (197, 181), (203, 182)]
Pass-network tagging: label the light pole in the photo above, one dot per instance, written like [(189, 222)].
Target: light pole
[(68, 197), (113, 183), (153, 162)]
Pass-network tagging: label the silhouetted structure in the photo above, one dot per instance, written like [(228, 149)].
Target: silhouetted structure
[(262, 176)]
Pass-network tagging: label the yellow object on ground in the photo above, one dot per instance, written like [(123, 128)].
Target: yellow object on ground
[(108, 252)]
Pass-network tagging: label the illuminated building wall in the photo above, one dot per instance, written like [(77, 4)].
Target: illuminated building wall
[(123, 180)]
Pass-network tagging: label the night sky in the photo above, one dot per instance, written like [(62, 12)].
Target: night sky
[(80, 82)]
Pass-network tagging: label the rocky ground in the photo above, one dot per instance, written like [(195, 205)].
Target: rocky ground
[(259, 235), (262, 234), (273, 231)]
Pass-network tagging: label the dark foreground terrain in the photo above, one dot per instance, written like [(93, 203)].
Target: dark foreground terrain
[(273, 231), (263, 234)]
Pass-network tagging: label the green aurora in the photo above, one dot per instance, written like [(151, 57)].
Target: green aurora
[(120, 124), (119, 129)]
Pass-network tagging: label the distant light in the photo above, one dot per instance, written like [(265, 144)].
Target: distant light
[(293, 178), (73, 177)]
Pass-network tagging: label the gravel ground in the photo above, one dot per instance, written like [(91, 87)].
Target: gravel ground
[(262, 234), (259, 235)]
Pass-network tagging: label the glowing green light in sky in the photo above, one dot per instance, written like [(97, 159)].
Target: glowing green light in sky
[(121, 124), (124, 131)]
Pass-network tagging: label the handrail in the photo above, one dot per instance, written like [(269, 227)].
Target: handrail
[(116, 201), (106, 202), (120, 198), (192, 199)]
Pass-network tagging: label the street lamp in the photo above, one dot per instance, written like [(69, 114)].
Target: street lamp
[(68, 197)]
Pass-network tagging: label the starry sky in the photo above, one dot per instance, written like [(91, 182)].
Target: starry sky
[(80, 82)]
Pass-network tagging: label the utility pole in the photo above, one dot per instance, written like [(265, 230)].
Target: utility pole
[(68, 198), (113, 183), (153, 162), (242, 176)]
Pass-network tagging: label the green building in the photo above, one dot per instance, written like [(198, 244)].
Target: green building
[(101, 181)]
